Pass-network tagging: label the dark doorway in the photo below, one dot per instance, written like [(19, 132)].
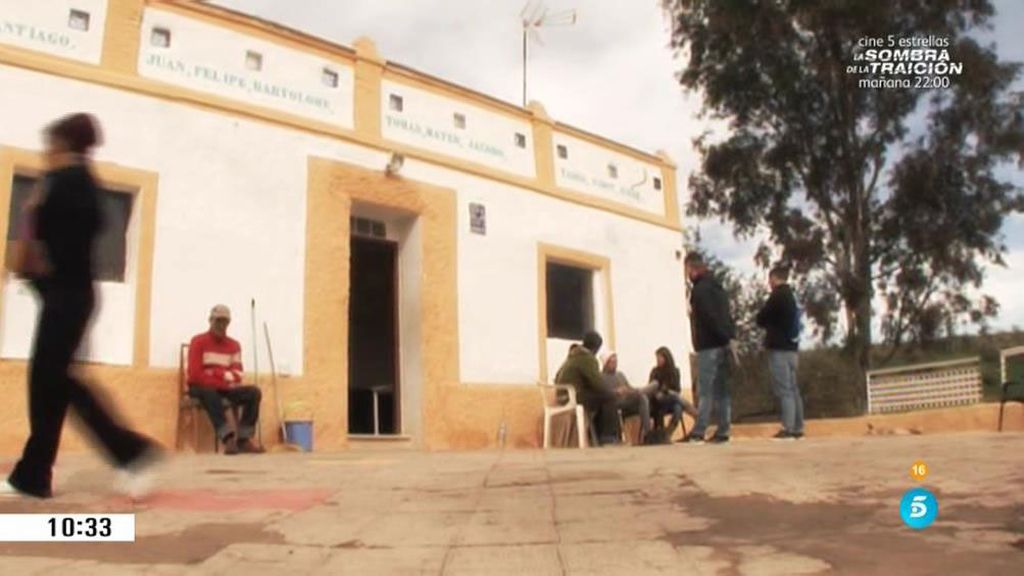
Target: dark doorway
[(373, 338)]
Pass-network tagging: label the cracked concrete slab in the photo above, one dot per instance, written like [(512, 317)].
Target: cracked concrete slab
[(753, 507)]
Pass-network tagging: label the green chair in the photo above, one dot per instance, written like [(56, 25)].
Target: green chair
[(1011, 370)]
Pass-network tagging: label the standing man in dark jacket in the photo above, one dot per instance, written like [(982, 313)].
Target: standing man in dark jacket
[(713, 330), (581, 370), (780, 317)]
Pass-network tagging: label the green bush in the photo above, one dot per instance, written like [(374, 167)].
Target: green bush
[(833, 386)]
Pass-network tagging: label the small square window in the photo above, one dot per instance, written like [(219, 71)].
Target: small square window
[(78, 20), (613, 171), (460, 121), (657, 183), (330, 78), (253, 60), (161, 38), (563, 152), (396, 103), (520, 140)]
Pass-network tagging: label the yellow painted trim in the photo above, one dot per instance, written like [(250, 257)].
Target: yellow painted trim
[(290, 37), (543, 146), (77, 71), (551, 253), (542, 313), (413, 79), (140, 183), (602, 142), (367, 90), (144, 185), (668, 188), (544, 162), (333, 189), (46, 64), (121, 37), (367, 130)]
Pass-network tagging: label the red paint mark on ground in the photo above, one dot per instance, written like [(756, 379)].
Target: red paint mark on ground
[(208, 500)]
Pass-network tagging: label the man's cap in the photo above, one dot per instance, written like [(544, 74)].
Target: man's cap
[(220, 311)]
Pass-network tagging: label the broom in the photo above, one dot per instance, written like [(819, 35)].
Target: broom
[(255, 363), (285, 446)]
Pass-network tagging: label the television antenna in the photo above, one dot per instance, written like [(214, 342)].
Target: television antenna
[(535, 16)]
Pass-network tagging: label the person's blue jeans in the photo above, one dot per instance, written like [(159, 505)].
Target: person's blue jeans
[(713, 388), (669, 403), (782, 366)]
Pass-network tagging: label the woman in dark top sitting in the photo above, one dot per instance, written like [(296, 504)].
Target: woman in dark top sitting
[(66, 220), (665, 392)]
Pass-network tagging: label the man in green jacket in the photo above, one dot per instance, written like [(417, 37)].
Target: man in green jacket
[(581, 370)]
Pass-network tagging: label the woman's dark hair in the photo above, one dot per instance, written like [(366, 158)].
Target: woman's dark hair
[(667, 375), (670, 362), (79, 132)]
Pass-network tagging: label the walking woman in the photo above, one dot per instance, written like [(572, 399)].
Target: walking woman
[(665, 392), (63, 221)]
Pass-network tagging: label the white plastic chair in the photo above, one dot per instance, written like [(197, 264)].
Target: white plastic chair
[(549, 395)]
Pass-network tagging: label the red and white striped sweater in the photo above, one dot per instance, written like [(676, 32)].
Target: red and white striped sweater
[(214, 362)]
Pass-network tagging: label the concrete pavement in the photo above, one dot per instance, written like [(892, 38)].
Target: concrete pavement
[(816, 506)]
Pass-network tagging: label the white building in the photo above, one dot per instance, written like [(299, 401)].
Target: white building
[(245, 162)]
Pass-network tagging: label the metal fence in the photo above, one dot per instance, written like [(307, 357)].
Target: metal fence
[(1005, 356), (934, 385)]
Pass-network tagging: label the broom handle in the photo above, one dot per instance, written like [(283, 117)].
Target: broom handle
[(255, 346), (273, 381), (255, 362)]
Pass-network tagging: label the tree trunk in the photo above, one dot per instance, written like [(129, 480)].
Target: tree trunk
[(858, 305)]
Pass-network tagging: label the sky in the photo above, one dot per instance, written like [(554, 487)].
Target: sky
[(611, 73)]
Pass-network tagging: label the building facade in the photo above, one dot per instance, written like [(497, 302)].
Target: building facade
[(248, 164)]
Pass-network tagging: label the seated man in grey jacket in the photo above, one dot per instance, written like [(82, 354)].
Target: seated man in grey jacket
[(631, 401)]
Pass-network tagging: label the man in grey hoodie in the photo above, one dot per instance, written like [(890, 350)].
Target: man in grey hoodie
[(631, 401)]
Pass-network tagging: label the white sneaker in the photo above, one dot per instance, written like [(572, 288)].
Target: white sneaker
[(9, 492), (138, 480), (135, 485)]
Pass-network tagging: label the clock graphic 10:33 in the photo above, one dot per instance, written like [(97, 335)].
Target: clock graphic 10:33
[(92, 526)]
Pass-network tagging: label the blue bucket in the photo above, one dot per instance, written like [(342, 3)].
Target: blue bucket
[(300, 432)]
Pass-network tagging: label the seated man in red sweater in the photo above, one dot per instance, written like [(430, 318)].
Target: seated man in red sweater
[(215, 374)]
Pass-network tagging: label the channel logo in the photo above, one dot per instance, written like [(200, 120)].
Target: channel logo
[(919, 508)]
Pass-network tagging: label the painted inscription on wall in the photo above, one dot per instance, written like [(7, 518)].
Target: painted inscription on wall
[(57, 27), (42, 37), (241, 86), (627, 193), (431, 136), (593, 169)]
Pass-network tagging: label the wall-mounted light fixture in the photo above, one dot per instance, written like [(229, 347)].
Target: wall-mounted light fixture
[(394, 164)]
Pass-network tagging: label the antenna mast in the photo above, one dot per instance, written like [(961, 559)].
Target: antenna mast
[(535, 16)]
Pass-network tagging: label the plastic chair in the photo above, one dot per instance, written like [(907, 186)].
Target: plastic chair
[(550, 397)]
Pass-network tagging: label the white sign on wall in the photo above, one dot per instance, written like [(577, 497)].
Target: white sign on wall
[(597, 171), (199, 56), (455, 128), (67, 28)]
